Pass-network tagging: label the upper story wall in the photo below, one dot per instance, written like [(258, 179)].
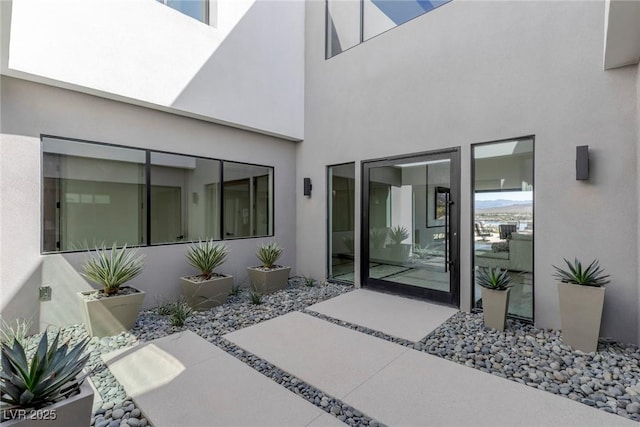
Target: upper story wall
[(476, 71), (247, 70)]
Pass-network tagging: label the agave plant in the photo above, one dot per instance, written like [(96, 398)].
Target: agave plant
[(398, 233), (493, 278), (53, 373), (206, 256), (179, 312), (593, 275), (16, 330), (112, 268), (268, 254)]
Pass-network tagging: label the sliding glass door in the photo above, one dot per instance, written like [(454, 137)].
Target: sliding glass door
[(410, 225)]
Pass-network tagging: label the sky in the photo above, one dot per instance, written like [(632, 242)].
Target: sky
[(506, 195)]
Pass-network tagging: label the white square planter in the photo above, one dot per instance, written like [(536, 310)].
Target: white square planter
[(495, 304), (267, 281), (111, 315), (206, 294), (72, 412), (580, 315)]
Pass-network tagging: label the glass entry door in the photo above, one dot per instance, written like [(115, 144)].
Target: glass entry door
[(410, 225)]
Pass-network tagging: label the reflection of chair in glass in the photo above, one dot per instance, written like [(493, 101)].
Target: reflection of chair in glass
[(482, 232), (506, 230)]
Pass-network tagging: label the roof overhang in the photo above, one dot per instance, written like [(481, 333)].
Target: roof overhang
[(622, 33)]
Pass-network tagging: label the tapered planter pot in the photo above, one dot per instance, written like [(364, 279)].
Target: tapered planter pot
[(111, 315), (268, 280), (72, 412), (494, 306), (580, 315), (205, 294)]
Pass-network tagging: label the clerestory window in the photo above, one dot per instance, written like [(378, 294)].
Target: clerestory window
[(351, 22), (197, 9)]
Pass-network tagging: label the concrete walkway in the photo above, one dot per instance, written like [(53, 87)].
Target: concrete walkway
[(182, 380)]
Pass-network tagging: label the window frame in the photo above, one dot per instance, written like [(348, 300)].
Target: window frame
[(472, 235), (147, 195)]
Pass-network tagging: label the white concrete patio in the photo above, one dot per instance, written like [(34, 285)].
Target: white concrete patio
[(396, 316), (403, 387), (183, 380)]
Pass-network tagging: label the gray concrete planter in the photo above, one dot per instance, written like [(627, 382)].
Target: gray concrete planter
[(112, 315), (72, 412), (580, 315), (495, 304), (203, 295), (267, 281)]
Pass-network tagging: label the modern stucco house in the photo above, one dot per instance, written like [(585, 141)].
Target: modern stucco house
[(438, 137)]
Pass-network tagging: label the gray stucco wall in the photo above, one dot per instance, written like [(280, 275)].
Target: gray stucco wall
[(638, 184), (29, 110), (471, 72)]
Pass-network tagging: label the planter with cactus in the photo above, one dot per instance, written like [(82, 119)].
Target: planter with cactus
[(396, 251), (207, 289), (495, 296), (115, 308), (268, 277), (50, 388), (581, 295)]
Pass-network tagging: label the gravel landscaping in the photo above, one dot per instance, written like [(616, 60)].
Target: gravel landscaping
[(608, 379)]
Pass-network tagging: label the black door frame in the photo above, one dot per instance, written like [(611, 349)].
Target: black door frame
[(450, 298)]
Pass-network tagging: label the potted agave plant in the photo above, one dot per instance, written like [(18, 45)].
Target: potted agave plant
[(115, 308), (46, 389), (268, 277), (207, 289), (581, 294), (398, 251), (495, 296)]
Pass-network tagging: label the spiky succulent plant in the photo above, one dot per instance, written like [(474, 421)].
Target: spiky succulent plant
[(398, 233), (53, 373), (110, 268), (493, 278), (206, 256), (16, 330), (593, 275), (268, 254)]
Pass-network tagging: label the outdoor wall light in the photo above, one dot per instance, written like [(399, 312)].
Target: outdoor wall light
[(307, 187), (582, 162)]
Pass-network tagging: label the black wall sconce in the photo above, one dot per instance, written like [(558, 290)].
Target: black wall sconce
[(307, 186), (582, 162)]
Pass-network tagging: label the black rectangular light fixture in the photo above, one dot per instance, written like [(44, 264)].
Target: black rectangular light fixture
[(582, 162), (307, 186)]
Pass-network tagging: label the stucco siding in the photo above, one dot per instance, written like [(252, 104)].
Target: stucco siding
[(244, 70), (31, 109), (472, 72)]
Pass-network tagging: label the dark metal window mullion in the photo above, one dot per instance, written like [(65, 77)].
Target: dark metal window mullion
[(148, 196), (221, 197), (361, 21)]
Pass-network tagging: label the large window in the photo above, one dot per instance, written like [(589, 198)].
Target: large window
[(350, 22), (96, 194), (185, 198), (503, 217), (341, 204), (247, 203), (92, 194)]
